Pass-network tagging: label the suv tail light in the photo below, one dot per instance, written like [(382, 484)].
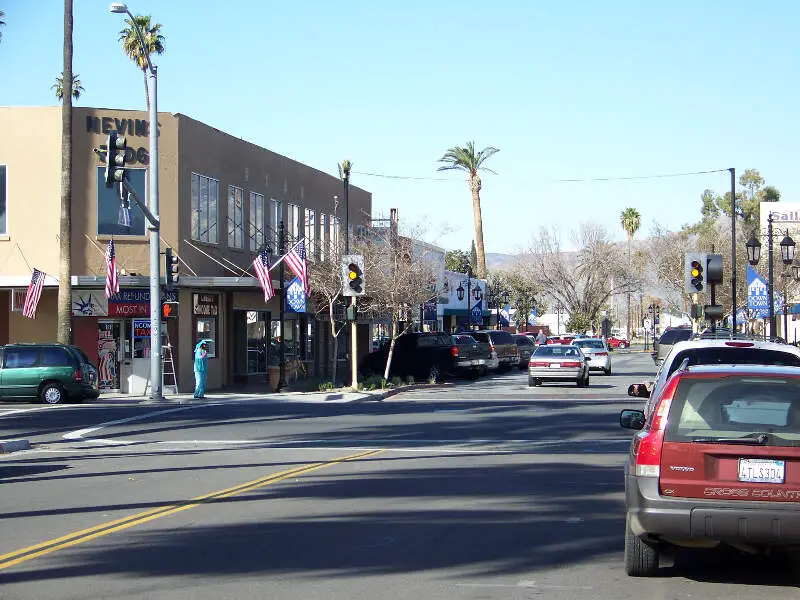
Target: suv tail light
[(491, 347), (77, 375), (539, 363), (647, 444), (454, 351)]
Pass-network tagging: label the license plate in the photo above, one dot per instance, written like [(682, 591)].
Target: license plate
[(555, 365), (760, 470)]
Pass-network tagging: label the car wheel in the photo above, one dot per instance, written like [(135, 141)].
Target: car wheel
[(531, 382), (641, 558), (580, 382), (607, 371), (586, 383), (52, 393)]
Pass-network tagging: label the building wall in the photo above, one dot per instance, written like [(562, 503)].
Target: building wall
[(40, 329)]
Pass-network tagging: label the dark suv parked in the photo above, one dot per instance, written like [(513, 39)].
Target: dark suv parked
[(53, 373), (670, 337), (503, 344)]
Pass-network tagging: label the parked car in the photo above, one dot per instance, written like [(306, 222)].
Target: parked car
[(618, 341), (670, 337), (716, 463), (470, 357), (526, 345), (714, 351), (502, 344), (423, 355), (558, 362), (561, 339), (51, 372), (597, 351)]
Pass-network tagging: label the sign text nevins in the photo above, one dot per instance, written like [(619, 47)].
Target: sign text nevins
[(129, 127)]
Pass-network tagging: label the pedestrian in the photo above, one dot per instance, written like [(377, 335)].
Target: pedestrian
[(541, 339), (200, 367)]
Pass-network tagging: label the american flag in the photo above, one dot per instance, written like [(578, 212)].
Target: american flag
[(112, 281), (296, 259), (34, 293), (261, 266)]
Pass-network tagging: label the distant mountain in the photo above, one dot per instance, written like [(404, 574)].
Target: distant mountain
[(498, 260)]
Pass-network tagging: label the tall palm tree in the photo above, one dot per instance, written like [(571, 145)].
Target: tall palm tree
[(64, 327), (464, 158), (630, 220), (58, 86), (133, 47), (2, 23)]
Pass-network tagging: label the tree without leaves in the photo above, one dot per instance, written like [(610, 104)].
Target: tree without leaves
[(464, 158), (132, 46), (58, 86)]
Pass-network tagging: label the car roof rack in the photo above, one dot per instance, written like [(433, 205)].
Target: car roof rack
[(726, 334)]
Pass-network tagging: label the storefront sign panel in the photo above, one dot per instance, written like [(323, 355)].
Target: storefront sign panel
[(89, 303), (205, 305)]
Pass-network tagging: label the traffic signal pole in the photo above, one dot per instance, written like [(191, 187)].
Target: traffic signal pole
[(353, 347)]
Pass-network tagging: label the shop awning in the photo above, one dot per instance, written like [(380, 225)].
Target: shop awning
[(186, 281)]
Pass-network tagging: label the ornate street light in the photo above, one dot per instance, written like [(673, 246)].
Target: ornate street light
[(753, 246), (787, 249), (460, 292)]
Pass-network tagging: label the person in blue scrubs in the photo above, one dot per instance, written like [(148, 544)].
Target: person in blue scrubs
[(200, 368)]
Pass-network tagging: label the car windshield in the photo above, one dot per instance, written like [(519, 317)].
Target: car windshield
[(736, 407), (589, 343), (557, 351)]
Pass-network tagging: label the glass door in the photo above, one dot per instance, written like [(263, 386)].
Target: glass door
[(109, 343), (256, 342)]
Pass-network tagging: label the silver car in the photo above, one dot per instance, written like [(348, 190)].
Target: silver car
[(597, 352), (558, 362)]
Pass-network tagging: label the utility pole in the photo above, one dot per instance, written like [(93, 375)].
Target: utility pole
[(281, 276), (353, 347)]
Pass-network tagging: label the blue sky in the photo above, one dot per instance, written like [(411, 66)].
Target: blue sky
[(564, 89)]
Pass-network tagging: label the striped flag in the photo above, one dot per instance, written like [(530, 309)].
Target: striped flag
[(34, 293), (296, 259), (261, 266), (112, 280)]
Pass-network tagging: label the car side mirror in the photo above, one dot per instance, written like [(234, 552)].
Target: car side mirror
[(631, 419), (638, 390)]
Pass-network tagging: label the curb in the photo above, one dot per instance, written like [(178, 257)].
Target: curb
[(8, 446), (406, 388)]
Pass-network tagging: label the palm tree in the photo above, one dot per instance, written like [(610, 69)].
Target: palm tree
[(631, 220), (58, 86), (2, 23), (133, 47), (64, 327), (464, 158)]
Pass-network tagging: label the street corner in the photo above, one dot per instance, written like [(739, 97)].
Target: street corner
[(9, 446)]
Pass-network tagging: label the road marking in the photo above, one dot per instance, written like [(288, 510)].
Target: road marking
[(12, 412), (80, 433), (78, 537)]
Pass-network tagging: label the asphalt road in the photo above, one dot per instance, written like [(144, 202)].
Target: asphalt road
[(479, 490)]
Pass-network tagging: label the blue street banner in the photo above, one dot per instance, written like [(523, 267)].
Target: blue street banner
[(758, 295), (505, 313), (295, 296), (477, 310), (532, 317)]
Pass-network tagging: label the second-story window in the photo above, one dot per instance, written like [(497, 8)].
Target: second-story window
[(293, 225), (323, 235), (3, 202), (256, 221), (333, 228), (235, 217), (311, 234), (205, 203), (273, 222)]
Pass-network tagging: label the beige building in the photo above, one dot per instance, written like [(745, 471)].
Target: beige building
[(221, 202)]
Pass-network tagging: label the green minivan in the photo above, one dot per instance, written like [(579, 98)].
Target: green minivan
[(51, 372)]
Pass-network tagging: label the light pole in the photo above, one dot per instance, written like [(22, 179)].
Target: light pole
[(559, 310), (787, 247), (494, 296), (654, 311), (155, 248), (460, 291)]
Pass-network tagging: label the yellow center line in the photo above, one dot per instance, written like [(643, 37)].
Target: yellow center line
[(78, 537)]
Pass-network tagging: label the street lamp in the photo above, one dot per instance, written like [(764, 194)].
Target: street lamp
[(460, 290), (787, 249), (155, 248), (654, 310)]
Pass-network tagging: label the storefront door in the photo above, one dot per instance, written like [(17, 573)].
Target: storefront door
[(250, 337), (110, 344)]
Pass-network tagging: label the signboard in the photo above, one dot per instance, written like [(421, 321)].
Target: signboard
[(205, 305), (89, 303), (758, 295), (429, 310), (477, 310), (295, 296), (141, 328)]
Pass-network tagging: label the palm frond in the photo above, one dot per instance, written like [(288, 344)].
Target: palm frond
[(464, 158)]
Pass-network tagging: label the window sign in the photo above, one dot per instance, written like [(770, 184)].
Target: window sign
[(205, 309), (109, 205)]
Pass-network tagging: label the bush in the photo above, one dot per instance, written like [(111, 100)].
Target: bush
[(373, 382), (326, 386), (397, 381)]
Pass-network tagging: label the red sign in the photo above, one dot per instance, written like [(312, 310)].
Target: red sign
[(128, 309)]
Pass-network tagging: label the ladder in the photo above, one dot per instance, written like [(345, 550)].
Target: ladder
[(167, 365)]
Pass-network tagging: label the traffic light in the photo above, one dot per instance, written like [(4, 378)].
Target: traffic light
[(171, 268), (713, 268), (695, 272), (115, 158), (353, 275), (169, 310)]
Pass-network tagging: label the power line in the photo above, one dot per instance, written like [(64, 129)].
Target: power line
[(575, 180)]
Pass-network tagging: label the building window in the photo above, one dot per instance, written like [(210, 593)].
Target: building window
[(206, 329), (256, 221), (311, 234), (205, 200), (275, 217), (293, 226), (323, 234), (3, 202), (235, 217), (334, 235), (120, 216)]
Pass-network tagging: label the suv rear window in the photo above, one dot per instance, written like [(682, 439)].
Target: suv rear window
[(524, 340), (501, 337), (429, 341), (729, 355), (735, 407), (672, 336), (481, 337)]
